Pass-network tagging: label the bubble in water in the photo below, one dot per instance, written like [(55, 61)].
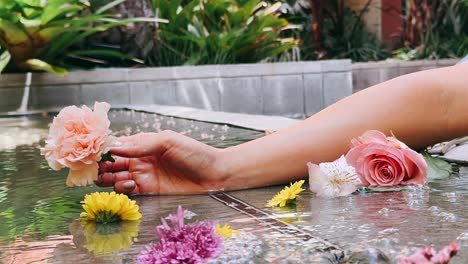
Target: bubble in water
[(448, 217), (451, 197), (364, 228), (463, 236), (415, 204), (241, 248), (389, 231), (416, 188), (385, 211), (434, 209)]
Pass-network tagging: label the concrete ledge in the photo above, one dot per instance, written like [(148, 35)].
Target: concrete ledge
[(295, 89), (370, 73), (255, 122)]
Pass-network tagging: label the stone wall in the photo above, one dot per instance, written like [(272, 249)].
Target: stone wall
[(296, 89), (370, 73)]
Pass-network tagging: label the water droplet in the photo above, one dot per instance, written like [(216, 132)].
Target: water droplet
[(389, 231), (463, 236), (385, 211)]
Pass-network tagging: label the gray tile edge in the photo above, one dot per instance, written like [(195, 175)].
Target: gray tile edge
[(255, 122)]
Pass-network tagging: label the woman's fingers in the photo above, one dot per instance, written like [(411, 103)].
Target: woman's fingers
[(120, 164), (127, 187), (108, 179), (144, 144)]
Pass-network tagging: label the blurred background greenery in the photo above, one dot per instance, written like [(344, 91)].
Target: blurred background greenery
[(56, 35)]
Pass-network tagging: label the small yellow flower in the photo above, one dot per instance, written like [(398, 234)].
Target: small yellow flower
[(104, 207), (225, 231), (286, 195)]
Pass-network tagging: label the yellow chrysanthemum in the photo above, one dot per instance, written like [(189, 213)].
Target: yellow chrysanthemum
[(225, 231), (104, 207), (105, 240), (286, 195)]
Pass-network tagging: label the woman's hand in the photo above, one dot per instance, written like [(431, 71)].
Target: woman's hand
[(162, 163)]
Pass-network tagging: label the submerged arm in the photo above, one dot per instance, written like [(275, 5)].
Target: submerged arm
[(421, 109)]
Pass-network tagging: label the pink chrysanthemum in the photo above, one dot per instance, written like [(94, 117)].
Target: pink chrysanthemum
[(182, 243)]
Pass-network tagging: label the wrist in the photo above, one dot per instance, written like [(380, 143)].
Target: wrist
[(223, 170)]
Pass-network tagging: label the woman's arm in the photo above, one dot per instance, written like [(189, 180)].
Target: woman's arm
[(420, 109)]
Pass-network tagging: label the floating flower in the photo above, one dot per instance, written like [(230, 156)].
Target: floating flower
[(104, 207), (225, 231), (332, 179), (105, 240), (182, 243), (286, 195), (78, 137), (382, 161), (429, 256)]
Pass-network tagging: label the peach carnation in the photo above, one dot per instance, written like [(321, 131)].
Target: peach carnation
[(78, 137)]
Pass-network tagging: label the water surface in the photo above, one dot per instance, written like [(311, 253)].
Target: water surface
[(39, 215)]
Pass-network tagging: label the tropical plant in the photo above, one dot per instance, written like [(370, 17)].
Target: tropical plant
[(435, 29), (38, 34), (219, 32), (333, 30)]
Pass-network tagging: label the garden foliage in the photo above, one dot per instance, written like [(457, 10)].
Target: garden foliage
[(219, 32), (435, 29), (39, 35)]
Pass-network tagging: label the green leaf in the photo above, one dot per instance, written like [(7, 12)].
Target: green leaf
[(7, 4), (108, 6), (31, 12), (437, 168), (4, 59), (36, 64), (12, 34), (29, 23), (107, 157), (33, 3), (58, 9), (382, 189)]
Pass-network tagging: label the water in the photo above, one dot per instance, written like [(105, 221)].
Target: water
[(39, 215)]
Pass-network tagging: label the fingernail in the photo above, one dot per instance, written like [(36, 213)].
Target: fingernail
[(116, 144), (129, 185)]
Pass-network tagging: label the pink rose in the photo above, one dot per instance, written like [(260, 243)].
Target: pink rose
[(384, 161), (78, 137)]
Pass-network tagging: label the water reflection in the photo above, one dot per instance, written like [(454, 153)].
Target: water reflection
[(26, 250), (19, 131), (104, 239), (38, 212)]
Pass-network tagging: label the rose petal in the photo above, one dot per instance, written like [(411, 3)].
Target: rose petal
[(373, 137), (419, 175)]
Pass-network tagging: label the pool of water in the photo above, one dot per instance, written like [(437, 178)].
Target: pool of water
[(39, 215)]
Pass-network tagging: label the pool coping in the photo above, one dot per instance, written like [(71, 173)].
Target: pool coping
[(248, 121)]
